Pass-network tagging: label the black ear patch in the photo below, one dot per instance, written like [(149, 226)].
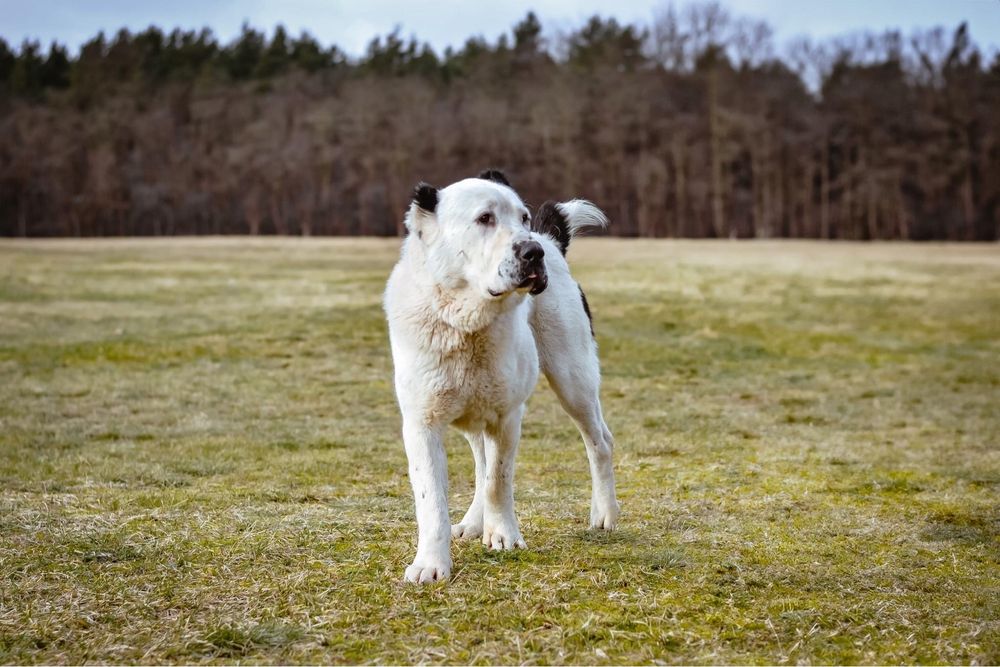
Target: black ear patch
[(494, 175), (551, 221), (425, 196)]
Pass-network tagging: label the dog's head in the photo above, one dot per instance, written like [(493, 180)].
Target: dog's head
[(476, 233)]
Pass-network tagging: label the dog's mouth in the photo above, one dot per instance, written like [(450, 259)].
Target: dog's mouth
[(535, 282)]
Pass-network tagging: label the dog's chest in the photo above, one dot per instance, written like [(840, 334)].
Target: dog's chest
[(493, 372)]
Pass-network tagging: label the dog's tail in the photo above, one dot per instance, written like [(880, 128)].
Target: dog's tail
[(564, 220)]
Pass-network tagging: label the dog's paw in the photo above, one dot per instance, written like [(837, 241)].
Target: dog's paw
[(604, 518), (503, 536), (425, 572), (466, 531)]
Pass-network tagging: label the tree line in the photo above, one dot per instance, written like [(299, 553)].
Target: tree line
[(696, 125)]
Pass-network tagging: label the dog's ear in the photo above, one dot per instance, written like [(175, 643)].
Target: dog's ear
[(422, 208), (425, 197), (494, 175)]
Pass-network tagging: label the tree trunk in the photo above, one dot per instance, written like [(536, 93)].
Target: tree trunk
[(767, 187), (680, 187), (777, 198), (756, 192), (902, 222), (871, 211), (278, 214), (22, 218), (846, 226), (805, 221), (824, 189), (252, 212), (872, 214), (968, 206), (715, 153)]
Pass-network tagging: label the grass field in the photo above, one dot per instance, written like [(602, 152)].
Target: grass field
[(200, 461)]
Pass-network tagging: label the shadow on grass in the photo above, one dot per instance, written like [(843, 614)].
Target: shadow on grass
[(968, 527), (233, 640)]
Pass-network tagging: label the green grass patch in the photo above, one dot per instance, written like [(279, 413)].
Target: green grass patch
[(200, 462)]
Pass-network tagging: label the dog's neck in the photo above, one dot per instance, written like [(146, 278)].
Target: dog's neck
[(465, 310), (457, 305)]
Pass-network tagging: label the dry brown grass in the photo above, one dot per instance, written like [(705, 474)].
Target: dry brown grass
[(200, 462)]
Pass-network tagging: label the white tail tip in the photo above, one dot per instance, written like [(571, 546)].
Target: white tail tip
[(581, 213)]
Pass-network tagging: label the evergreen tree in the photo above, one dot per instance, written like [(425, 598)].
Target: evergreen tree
[(277, 56), (604, 43), (55, 70), (242, 58), (26, 78), (7, 62)]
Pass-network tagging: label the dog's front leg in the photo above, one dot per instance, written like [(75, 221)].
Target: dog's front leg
[(428, 467), (500, 528), (471, 525)]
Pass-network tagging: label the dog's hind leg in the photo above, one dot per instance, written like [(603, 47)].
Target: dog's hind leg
[(568, 355), (471, 525), (577, 389)]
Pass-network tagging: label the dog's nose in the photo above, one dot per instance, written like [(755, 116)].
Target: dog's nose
[(529, 252)]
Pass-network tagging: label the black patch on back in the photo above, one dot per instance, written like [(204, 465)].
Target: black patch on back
[(586, 309), (550, 220), (494, 175), (425, 196)]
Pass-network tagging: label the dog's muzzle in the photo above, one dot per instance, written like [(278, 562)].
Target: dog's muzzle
[(531, 258)]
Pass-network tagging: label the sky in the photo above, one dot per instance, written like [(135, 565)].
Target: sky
[(351, 25)]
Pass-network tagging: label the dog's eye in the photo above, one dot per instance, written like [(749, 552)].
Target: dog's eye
[(524, 218), (485, 219)]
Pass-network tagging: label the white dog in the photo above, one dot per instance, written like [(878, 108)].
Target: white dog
[(480, 300)]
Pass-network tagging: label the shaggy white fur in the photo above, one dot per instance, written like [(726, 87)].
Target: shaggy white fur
[(474, 313)]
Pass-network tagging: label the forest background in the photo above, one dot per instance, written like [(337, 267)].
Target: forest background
[(695, 125)]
